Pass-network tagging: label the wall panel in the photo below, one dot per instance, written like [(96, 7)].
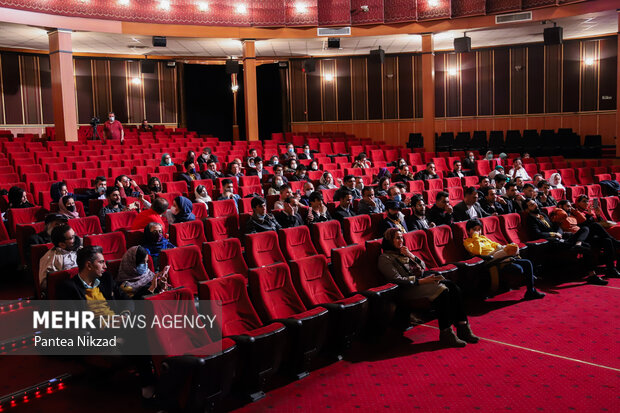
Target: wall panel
[(297, 91), (571, 70), (390, 88), (358, 84), (440, 86), (375, 89), (313, 87), (608, 78), (118, 85), (468, 84), (83, 90), (101, 87), (343, 79), (535, 79), (589, 75), (518, 80), (46, 89), (553, 79), (485, 82), (501, 81), (405, 87), (11, 89), (453, 85), (31, 89), (418, 89), (328, 67)]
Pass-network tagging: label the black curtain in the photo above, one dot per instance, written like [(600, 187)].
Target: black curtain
[(209, 101), (269, 95)]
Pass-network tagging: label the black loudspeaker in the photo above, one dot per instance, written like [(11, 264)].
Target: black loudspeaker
[(309, 65), (159, 41), (232, 67), (333, 43), (462, 44), (377, 55), (147, 66), (552, 35)]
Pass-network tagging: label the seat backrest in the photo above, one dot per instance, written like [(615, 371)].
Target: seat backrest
[(176, 186), (262, 249), (23, 216), (273, 294), (86, 226), (492, 229), (313, 282), (221, 228), (327, 236), (54, 279), (224, 257), (611, 207), (417, 243), (113, 244), (454, 182), (442, 244), (238, 315), (186, 268), (199, 209), (433, 184), (358, 229), (354, 270), (296, 243), (187, 233), (512, 228), (558, 193), (594, 191), (120, 220), (223, 208)]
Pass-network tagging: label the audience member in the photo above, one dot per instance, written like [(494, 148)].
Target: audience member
[(278, 171), (345, 207), (127, 187), (300, 174), (201, 195), (318, 211), (273, 161), (166, 160), (257, 170), (398, 264), (418, 219), (492, 203), (536, 179), (135, 277), (57, 191), (518, 170), (314, 166), (113, 129), (155, 241), (513, 199), (544, 197), (144, 126), (190, 174), (190, 157), (52, 221), (496, 171), (305, 196), (428, 173), (361, 161), (529, 192), (588, 215), (158, 207), (500, 184), (307, 153), (98, 192), (234, 171), (261, 221), (441, 212), (206, 156), (181, 211), (403, 175), (504, 258), (211, 172), (290, 166), (469, 163), (154, 186), (398, 195), (67, 207), (556, 181), (62, 255), (469, 208), (250, 159), (18, 198), (228, 192), (114, 205), (348, 186), (457, 170), (519, 182), (394, 218), (276, 185), (290, 153), (483, 184), (327, 181), (369, 204), (285, 192), (398, 163), (383, 186), (289, 216)]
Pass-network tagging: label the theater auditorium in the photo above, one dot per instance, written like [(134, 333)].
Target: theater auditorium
[(309, 205)]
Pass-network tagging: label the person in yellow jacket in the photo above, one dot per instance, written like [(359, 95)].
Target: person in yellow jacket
[(504, 255)]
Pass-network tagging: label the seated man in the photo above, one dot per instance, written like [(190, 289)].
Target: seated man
[(369, 204), (62, 256), (306, 154), (250, 160), (318, 210), (345, 207), (300, 174), (228, 191), (305, 197), (257, 169), (483, 183), (348, 186), (289, 216), (529, 192), (159, 206), (206, 156), (395, 193), (45, 237), (418, 219), (500, 184), (394, 219), (457, 170), (469, 163), (289, 154), (114, 205), (278, 170), (541, 227), (428, 173), (261, 221), (469, 208), (544, 197), (98, 192), (285, 193), (493, 203), (190, 174), (234, 171), (212, 172), (513, 199), (441, 212), (502, 256), (403, 175)]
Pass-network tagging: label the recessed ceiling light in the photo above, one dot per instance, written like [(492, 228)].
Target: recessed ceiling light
[(241, 9), (433, 3), (203, 6), (301, 8), (123, 2), (164, 5)]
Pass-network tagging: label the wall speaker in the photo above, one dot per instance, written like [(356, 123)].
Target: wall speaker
[(377, 55), (462, 44), (553, 35), (309, 65), (232, 67), (159, 41), (147, 66), (333, 43)]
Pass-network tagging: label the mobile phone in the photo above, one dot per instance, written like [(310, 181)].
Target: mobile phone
[(595, 203)]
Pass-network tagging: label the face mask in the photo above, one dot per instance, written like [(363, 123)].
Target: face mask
[(74, 247), (306, 150), (291, 150), (261, 216), (174, 210), (293, 166), (279, 183), (157, 237), (275, 161), (71, 208), (308, 193), (101, 189), (205, 156), (156, 189), (142, 269), (278, 173), (397, 198), (192, 171), (111, 118)]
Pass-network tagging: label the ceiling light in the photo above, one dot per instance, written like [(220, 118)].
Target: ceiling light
[(433, 3), (202, 6), (241, 9), (328, 77), (234, 88), (452, 71), (164, 5), (123, 2), (136, 81), (301, 8), (589, 61)]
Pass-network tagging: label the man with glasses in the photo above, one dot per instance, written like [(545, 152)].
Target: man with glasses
[(428, 173), (62, 256)]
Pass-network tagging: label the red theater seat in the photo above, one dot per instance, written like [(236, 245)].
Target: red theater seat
[(296, 243), (611, 207), (223, 208), (262, 249), (275, 298), (54, 280), (120, 220), (568, 177), (113, 244), (176, 186), (186, 268), (86, 226), (447, 250), (224, 257), (221, 228), (358, 229), (327, 236), (417, 243), (187, 233), (16, 216)]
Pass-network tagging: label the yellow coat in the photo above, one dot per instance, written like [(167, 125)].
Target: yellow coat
[(480, 245)]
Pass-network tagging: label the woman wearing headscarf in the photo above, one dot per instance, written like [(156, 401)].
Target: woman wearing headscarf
[(166, 160), (181, 211), (136, 278), (153, 186), (314, 166), (277, 183), (327, 181), (398, 264), (18, 198), (66, 207), (127, 186), (201, 195), (58, 190), (556, 181), (155, 241)]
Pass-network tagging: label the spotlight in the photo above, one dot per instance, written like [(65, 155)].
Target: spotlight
[(452, 71), (202, 6), (589, 61), (164, 5), (123, 2), (328, 77), (433, 3), (234, 88), (301, 8), (136, 81), (241, 9)]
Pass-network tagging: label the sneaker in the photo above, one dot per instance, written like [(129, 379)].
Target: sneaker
[(448, 338), (533, 295), (596, 280), (463, 331)]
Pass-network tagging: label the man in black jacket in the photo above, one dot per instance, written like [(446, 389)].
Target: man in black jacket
[(257, 169), (469, 208), (289, 216), (418, 219), (457, 170), (441, 212), (513, 199), (261, 221), (190, 174), (306, 154), (45, 237), (212, 172), (394, 219), (344, 209), (348, 186), (492, 203), (403, 175), (300, 174), (428, 173), (544, 197)]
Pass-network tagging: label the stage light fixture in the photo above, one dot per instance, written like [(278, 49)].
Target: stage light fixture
[(301, 8), (241, 9), (203, 6)]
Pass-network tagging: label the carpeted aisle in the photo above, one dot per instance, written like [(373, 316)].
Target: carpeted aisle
[(556, 355)]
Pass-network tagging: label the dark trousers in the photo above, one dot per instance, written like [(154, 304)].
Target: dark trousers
[(521, 267), (601, 240), (449, 305)]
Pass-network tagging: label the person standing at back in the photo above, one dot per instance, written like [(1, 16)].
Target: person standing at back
[(113, 129)]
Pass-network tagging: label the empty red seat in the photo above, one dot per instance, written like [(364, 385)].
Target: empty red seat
[(119, 220), (602, 177), (296, 243), (358, 229), (261, 346), (430, 184), (221, 228), (417, 243), (224, 257), (611, 207), (327, 236), (176, 186), (572, 192), (86, 226), (199, 209), (186, 268), (584, 176), (16, 216), (469, 181), (54, 280), (453, 182), (568, 176), (558, 193), (483, 167), (415, 186), (262, 249), (187, 233), (223, 208), (275, 298), (249, 181), (113, 244), (594, 191)]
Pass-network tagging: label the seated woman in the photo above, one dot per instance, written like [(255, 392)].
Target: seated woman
[(383, 186), (166, 160), (398, 264), (136, 279), (276, 185), (127, 186), (18, 198), (181, 211), (503, 257), (314, 166), (361, 161), (154, 186), (155, 241), (201, 195), (327, 182), (66, 207), (58, 190), (556, 181)]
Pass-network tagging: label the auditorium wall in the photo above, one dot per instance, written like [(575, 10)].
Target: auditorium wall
[(501, 88), (102, 84)]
